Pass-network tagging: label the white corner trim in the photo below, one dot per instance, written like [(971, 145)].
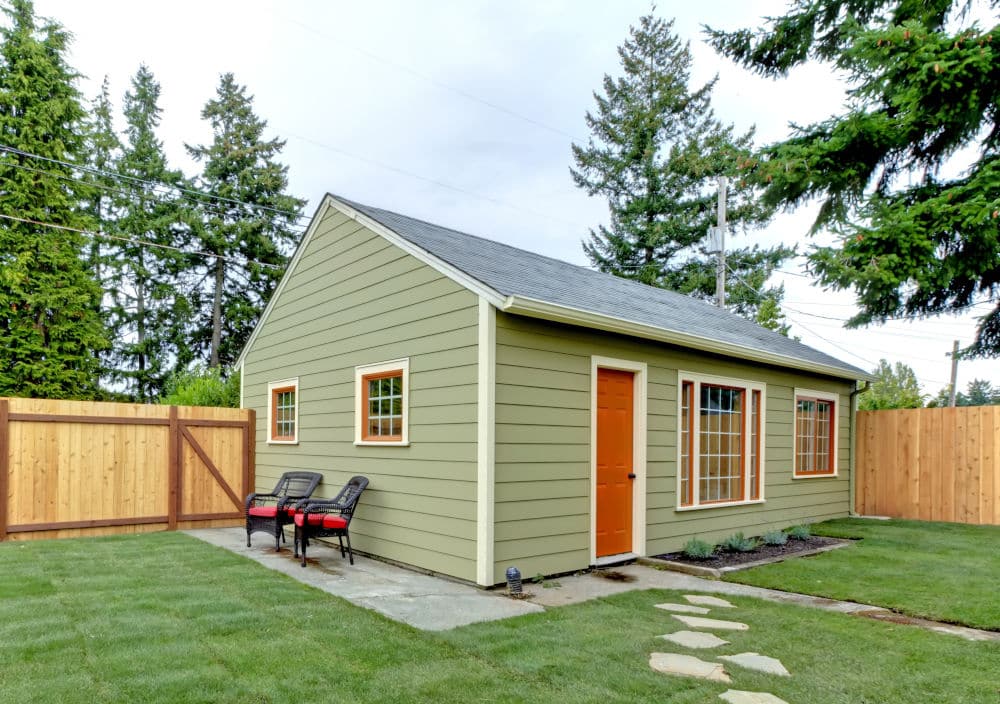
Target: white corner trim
[(377, 368), (271, 386), (452, 272), (749, 386), (531, 307), (242, 369), (639, 422), (485, 443), (834, 431)]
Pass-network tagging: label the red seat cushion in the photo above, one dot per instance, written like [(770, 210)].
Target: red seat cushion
[(315, 519), (269, 511), (326, 520), (331, 521)]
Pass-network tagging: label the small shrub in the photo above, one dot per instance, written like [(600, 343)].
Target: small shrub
[(799, 532), (774, 537), (698, 549), (202, 387), (737, 542)]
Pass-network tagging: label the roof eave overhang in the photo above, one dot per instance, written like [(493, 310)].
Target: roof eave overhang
[(534, 308)]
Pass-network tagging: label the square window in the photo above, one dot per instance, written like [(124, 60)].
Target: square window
[(381, 403)]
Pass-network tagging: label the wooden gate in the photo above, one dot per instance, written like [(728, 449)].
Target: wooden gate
[(70, 468)]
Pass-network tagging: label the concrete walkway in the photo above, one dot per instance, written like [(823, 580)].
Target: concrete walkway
[(436, 604), (423, 601)]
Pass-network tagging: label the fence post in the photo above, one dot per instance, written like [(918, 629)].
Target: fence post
[(4, 464), (173, 468), (250, 452)]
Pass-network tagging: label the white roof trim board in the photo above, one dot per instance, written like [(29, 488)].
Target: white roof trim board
[(523, 283)]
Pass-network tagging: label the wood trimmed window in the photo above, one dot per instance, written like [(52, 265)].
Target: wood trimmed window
[(382, 408), (720, 441), (283, 412), (815, 434)]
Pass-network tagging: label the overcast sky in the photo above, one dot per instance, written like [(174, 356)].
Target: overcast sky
[(462, 113)]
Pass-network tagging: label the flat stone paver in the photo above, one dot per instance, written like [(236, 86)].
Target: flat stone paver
[(423, 601), (712, 624), (683, 608), (706, 600), (756, 661), (738, 696), (687, 666), (695, 639)]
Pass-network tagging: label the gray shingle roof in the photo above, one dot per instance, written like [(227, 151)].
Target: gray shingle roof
[(516, 272)]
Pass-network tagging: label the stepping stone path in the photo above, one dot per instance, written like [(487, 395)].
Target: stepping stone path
[(737, 696), (705, 600), (690, 666), (695, 639), (683, 608), (687, 666), (761, 663), (711, 624)]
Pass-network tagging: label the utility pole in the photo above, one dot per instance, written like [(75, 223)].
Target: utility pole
[(720, 272), (954, 375)]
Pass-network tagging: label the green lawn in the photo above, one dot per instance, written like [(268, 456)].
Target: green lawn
[(942, 571), (166, 618)]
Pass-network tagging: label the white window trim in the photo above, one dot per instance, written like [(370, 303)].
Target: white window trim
[(359, 373), (750, 386), (639, 422), (834, 431), (271, 386)]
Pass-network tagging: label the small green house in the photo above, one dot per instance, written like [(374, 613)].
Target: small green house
[(513, 409)]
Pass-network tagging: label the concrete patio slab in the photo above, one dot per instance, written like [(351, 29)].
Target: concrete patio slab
[(424, 601)]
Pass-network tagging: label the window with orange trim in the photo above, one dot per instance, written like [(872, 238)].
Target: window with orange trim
[(815, 434), (382, 407), (283, 411), (720, 441)]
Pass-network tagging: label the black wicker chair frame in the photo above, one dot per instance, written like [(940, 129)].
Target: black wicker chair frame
[(328, 518), (270, 513)]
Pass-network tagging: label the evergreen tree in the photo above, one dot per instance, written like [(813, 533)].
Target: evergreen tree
[(148, 310), (103, 149), (978, 392), (656, 153), (894, 387), (249, 219), (50, 330), (919, 233)]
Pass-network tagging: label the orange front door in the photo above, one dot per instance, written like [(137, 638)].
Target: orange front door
[(614, 462)]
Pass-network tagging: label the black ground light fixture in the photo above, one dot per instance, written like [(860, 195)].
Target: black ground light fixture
[(513, 580)]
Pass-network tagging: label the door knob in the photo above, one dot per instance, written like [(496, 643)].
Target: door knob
[(631, 475)]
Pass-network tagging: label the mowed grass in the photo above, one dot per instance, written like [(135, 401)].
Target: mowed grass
[(942, 571), (166, 618)]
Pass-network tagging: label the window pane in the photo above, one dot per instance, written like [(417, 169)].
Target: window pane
[(385, 407), (397, 385), (373, 388)]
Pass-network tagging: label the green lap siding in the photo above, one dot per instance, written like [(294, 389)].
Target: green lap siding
[(356, 299), (543, 474)]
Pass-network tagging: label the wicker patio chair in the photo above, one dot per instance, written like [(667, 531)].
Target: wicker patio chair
[(328, 518), (272, 512)]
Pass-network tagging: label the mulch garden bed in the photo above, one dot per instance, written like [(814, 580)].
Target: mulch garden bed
[(723, 558)]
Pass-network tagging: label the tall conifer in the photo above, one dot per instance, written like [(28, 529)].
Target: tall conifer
[(50, 329), (656, 153), (249, 219)]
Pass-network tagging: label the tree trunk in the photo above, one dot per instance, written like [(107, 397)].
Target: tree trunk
[(217, 313), (140, 338)]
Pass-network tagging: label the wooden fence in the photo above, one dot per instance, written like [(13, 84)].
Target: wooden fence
[(932, 464), (70, 468)]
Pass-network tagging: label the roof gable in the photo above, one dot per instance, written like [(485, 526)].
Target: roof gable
[(525, 283)]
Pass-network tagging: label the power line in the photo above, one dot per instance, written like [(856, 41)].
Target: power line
[(339, 41), (150, 183), (298, 229), (158, 245), (433, 181)]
